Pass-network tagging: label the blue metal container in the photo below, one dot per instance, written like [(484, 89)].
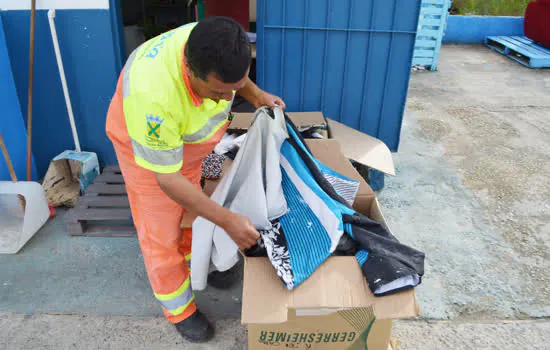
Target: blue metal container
[(350, 59)]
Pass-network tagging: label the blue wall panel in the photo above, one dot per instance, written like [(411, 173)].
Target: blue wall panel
[(350, 59), (12, 126), (91, 67), (474, 29)]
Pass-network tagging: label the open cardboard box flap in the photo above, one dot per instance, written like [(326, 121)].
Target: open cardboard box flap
[(329, 152), (338, 283), (361, 147)]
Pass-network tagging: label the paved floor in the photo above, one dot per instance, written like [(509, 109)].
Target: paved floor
[(56, 273), (474, 164), (472, 190), (54, 332)]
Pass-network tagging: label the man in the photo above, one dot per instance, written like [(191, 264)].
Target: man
[(170, 109)]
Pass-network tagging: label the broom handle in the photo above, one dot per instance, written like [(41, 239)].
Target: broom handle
[(29, 102), (8, 159), (51, 16)]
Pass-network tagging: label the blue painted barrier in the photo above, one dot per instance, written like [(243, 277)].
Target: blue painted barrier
[(91, 66), (349, 59), (12, 126), (474, 29)]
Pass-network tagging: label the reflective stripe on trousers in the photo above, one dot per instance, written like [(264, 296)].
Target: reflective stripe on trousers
[(177, 302)]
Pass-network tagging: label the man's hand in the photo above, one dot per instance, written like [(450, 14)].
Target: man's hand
[(238, 227), (241, 230), (267, 99), (258, 97)]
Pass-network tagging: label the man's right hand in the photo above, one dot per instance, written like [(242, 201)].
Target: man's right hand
[(182, 191), (241, 230)]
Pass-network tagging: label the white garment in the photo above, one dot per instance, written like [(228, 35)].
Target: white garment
[(252, 187), (228, 143)]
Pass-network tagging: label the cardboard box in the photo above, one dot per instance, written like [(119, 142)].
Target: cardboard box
[(69, 173), (361, 147), (334, 308), (241, 121)]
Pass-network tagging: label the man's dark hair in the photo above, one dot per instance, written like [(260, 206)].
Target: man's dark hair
[(218, 45)]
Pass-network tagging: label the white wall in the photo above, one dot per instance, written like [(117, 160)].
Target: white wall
[(54, 4)]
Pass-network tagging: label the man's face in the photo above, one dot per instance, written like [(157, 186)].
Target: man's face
[(215, 89)]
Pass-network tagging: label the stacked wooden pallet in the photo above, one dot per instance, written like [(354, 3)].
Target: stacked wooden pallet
[(521, 49), (104, 209), (431, 28)]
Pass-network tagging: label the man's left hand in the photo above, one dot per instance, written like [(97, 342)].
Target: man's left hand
[(267, 99)]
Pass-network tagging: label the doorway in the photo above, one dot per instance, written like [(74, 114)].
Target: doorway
[(136, 21)]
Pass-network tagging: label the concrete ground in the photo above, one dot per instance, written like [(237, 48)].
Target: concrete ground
[(472, 191), (474, 163)]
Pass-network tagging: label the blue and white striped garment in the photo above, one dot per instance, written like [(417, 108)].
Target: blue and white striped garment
[(319, 212), (313, 223)]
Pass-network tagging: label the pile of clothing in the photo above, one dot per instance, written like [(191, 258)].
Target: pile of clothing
[(303, 211)]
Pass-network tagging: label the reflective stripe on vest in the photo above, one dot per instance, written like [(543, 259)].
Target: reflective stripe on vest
[(126, 75), (177, 302), (209, 128), (158, 157)]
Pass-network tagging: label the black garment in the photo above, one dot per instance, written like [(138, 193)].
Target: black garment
[(388, 259), (346, 247)]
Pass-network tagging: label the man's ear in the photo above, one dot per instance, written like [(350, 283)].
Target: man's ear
[(187, 66)]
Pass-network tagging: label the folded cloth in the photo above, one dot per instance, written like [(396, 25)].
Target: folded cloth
[(252, 187), (319, 213), (302, 209), (212, 166)]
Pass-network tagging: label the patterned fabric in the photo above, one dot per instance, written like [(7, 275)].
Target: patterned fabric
[(345, 188), (277, 250), (212, 166)]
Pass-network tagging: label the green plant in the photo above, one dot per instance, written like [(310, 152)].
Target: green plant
[(491, 7)]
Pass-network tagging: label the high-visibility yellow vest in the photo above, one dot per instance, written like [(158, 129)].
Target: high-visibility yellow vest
[(159, 111)]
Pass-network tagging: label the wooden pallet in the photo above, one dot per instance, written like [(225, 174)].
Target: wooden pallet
[(104, 209), (432, 23), (520, 49)]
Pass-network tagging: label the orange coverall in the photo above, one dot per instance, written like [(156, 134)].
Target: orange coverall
[(165, 246)]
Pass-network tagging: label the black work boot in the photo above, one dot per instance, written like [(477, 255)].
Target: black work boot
[(196, 328), (225, 279)]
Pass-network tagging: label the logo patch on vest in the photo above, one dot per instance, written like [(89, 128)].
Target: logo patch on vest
[(153, 125)]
